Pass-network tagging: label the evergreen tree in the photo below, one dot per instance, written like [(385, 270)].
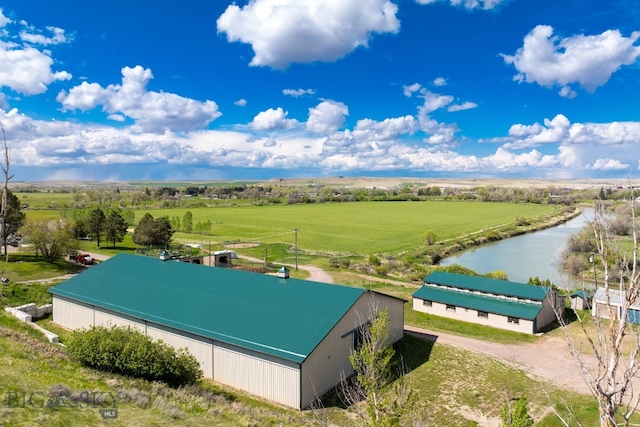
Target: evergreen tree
[(95, 224), (115, 228), (14, 217)]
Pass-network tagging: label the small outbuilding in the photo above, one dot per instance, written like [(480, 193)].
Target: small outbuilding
[(501, 304), (285, 341), (613, 308), (580, 300)]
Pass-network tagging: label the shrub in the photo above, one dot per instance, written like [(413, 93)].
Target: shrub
[(127, 351), (374, 260)]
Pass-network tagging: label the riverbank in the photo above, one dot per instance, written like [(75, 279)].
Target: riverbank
[(505, 231)]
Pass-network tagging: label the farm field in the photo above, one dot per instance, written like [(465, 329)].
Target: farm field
[(358, 228)]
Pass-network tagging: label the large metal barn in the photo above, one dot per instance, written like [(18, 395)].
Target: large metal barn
[(283, 340)]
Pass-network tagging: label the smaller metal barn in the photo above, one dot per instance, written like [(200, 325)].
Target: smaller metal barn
[(283, 340), (501, 304)]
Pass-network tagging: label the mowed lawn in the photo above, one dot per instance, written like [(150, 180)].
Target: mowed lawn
[(360, 228)]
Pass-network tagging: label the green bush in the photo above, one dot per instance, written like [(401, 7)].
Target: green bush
[(126, 351)]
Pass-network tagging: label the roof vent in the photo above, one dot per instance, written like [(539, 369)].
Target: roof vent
[(283, 272)]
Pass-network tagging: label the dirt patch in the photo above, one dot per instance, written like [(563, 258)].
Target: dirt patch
[(32, 343), (241, 245)]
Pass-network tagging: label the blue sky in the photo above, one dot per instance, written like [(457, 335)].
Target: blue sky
[(205, 90)]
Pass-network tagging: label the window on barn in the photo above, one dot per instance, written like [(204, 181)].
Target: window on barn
[(427, 302), (483, 314), (358, 337), (513, 320), (451, 307)]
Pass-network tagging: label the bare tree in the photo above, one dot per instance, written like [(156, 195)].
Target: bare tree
[(3, 209), (613, 339)]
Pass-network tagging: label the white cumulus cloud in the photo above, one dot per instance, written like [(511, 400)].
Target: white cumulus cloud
[(273, 119), (24, 68), (326, 117), (608, 164), (151, 111), (282, 32), (297, 93), (3, 19), (411, 89), (33, 36), (588, 61), (467, 105), (241, 102), (440, 81)]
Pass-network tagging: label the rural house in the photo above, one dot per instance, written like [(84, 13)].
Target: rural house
[(498, 303), (284, 340)]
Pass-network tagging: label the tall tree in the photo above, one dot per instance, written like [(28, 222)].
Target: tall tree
[(614, 340), (187, 222), (13, 219), (152, 231), (95, 224), (51, 239), (3, 201), (115, 228)]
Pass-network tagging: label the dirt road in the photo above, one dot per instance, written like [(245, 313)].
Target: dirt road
[(547, 359), (316, 274)]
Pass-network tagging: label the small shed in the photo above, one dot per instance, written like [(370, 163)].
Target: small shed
[(581, 300), (223, 258)]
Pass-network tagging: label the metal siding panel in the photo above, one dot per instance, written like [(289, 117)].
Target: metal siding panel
[(200, 347), (72, 314), (269, 377), (322, 370), (633, 316), (109, 318)]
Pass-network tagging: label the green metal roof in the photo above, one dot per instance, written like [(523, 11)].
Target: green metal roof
[(581, 293), (477, 302), (282, 317), (487, 285)]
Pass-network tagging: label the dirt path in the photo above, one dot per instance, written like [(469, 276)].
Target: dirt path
[(316, 274), (548, 358)]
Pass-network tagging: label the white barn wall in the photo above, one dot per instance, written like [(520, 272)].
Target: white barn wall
[(268, 377), (470, 315), (72, 314), (200, 347), (265, 376), (103, 317), (324, 366)]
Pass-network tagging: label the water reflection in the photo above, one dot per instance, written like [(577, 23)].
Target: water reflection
[(524, 256)]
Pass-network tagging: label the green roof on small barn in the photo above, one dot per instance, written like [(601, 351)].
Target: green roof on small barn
[(285, 318), (581, 293), (487, 285), (478, 302)]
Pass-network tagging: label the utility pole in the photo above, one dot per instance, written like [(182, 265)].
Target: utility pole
[(296, 246), (266, 250)]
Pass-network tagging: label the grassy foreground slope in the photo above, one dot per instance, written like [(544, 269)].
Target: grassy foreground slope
[(454, 387), (359, 228)]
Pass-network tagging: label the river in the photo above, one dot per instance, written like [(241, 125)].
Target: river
[(524, 256)]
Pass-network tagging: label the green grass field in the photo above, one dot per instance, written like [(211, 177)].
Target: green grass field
[(359, 228)]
